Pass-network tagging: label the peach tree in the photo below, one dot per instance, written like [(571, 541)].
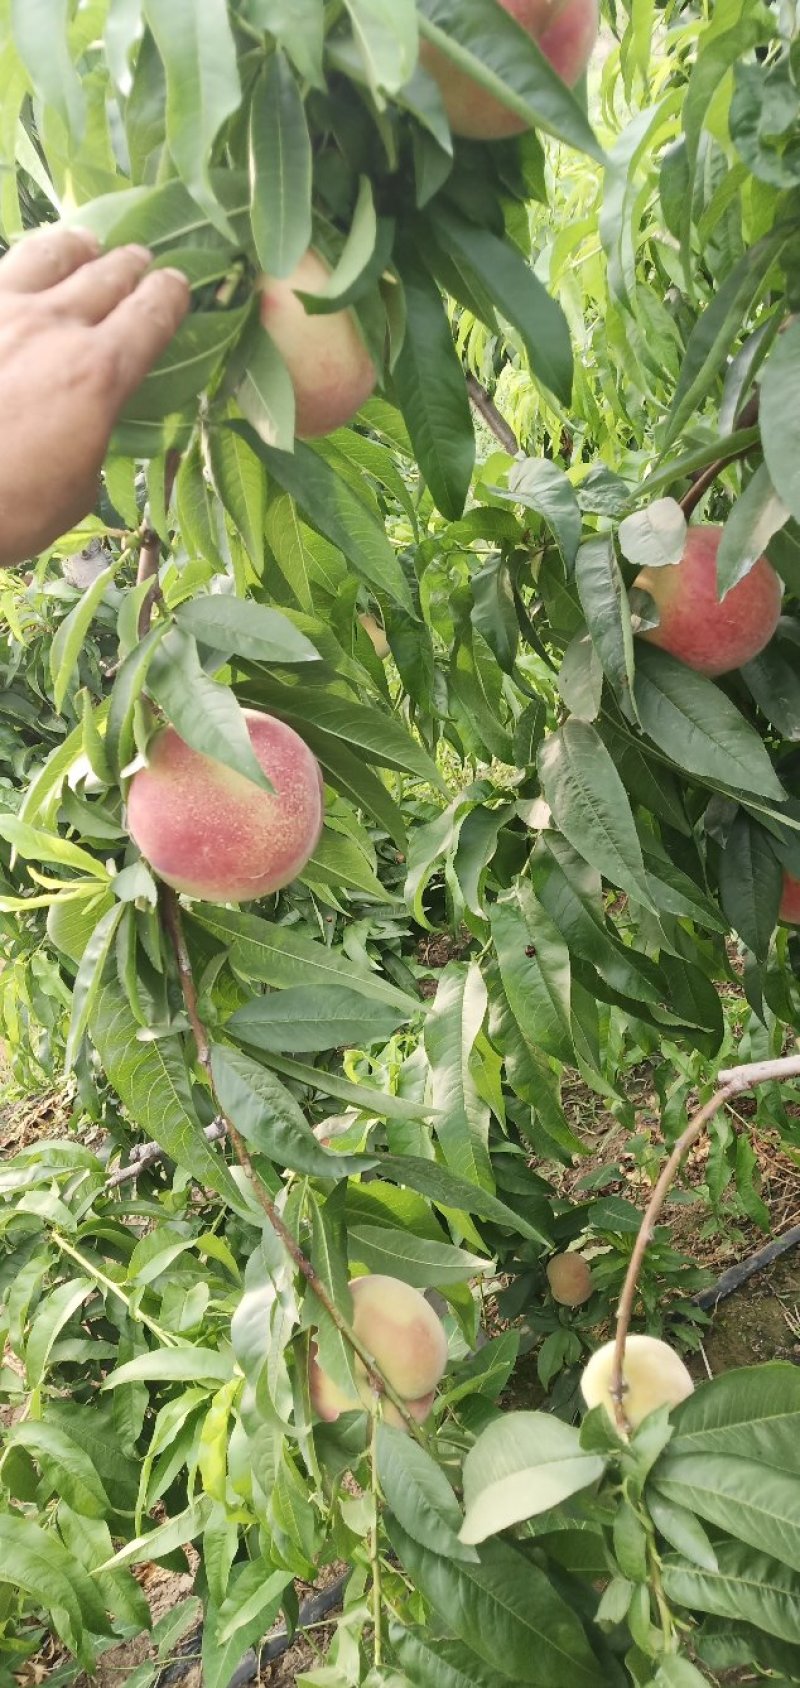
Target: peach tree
[(440, 588)]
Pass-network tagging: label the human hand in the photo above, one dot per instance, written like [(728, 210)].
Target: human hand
[(78, 333)]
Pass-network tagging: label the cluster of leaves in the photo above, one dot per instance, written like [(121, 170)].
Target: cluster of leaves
[(595, 817)]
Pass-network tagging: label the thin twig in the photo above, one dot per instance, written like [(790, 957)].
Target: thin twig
[(486, 408), (747, 418), (374, 1542), (150, 554), (147, 1154), (732, 1082), (173, 922)]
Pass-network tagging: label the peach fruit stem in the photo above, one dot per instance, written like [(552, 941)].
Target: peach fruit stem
[(173, 922), (733, 1081)]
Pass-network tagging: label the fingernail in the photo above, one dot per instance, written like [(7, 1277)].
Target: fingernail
[(142, 252), (177, 274)]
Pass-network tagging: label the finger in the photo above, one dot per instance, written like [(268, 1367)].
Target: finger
[(95, 289), (45, 258), (140, 329)]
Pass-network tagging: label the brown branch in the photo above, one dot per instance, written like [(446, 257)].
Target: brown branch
[(150, 554), (486, 408), (147, 1154), (732, 1082), (378, 1383), (701, 482)]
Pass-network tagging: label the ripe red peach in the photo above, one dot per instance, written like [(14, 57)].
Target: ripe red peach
[(407, 1341), (710, 636), (330, 367), (208, 831), (570, 1279), (565, 32), (789, 910)]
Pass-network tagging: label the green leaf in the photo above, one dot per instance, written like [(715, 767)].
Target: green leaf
[(280, 169), (386, 37), (240, 627), (694, 721), (370, 732), (773, 681), (172, 1365), (654, 537), (239, 480), (753, 1502), (756, 516), (41, 36), (493, 614), (715, 331), (34, 1560), (752, 1412), (199, 57), (51, 1316), (338, 513), (540, 485), (535, 969), (590, 805), (750, 882), (37, 846), (580, 678), (278, 956), (379, 1103), (432, 393), (128, 687), (778, 417), (678, 1673), (70, 637), (605, 605), (451, 1192), (204, 713), (522, 1464), (162, 1541), (430, 1662), (308, 1018), (416, 1260), (519, 296), (271, 1121), (747, 1587), (194, 356), (88, 980), (65, 1463), (299, 27), (151, 1080), (504, 1607), (453, 1024), (418, 1493), (495, 52), (682, 1530)]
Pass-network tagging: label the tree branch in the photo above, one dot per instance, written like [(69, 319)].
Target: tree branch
[(732, 1082), (486, 408), (173, 922), (747, 418)]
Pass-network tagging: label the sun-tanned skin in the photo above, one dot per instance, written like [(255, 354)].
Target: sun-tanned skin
[(78, 334)]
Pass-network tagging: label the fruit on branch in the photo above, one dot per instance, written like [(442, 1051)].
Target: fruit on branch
[(565, 31), (789, 910), (376, 634), (654, 1376), (330, 367), (210, 832), (570, 1279), (710, 636), (400, 1330)]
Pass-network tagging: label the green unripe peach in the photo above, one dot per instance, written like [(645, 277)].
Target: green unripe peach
[(653, 1375), (400, 1330)]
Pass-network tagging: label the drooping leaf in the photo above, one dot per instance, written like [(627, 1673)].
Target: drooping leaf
[(690, 718), (199, 56), (280, 169), (521, 1465)]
